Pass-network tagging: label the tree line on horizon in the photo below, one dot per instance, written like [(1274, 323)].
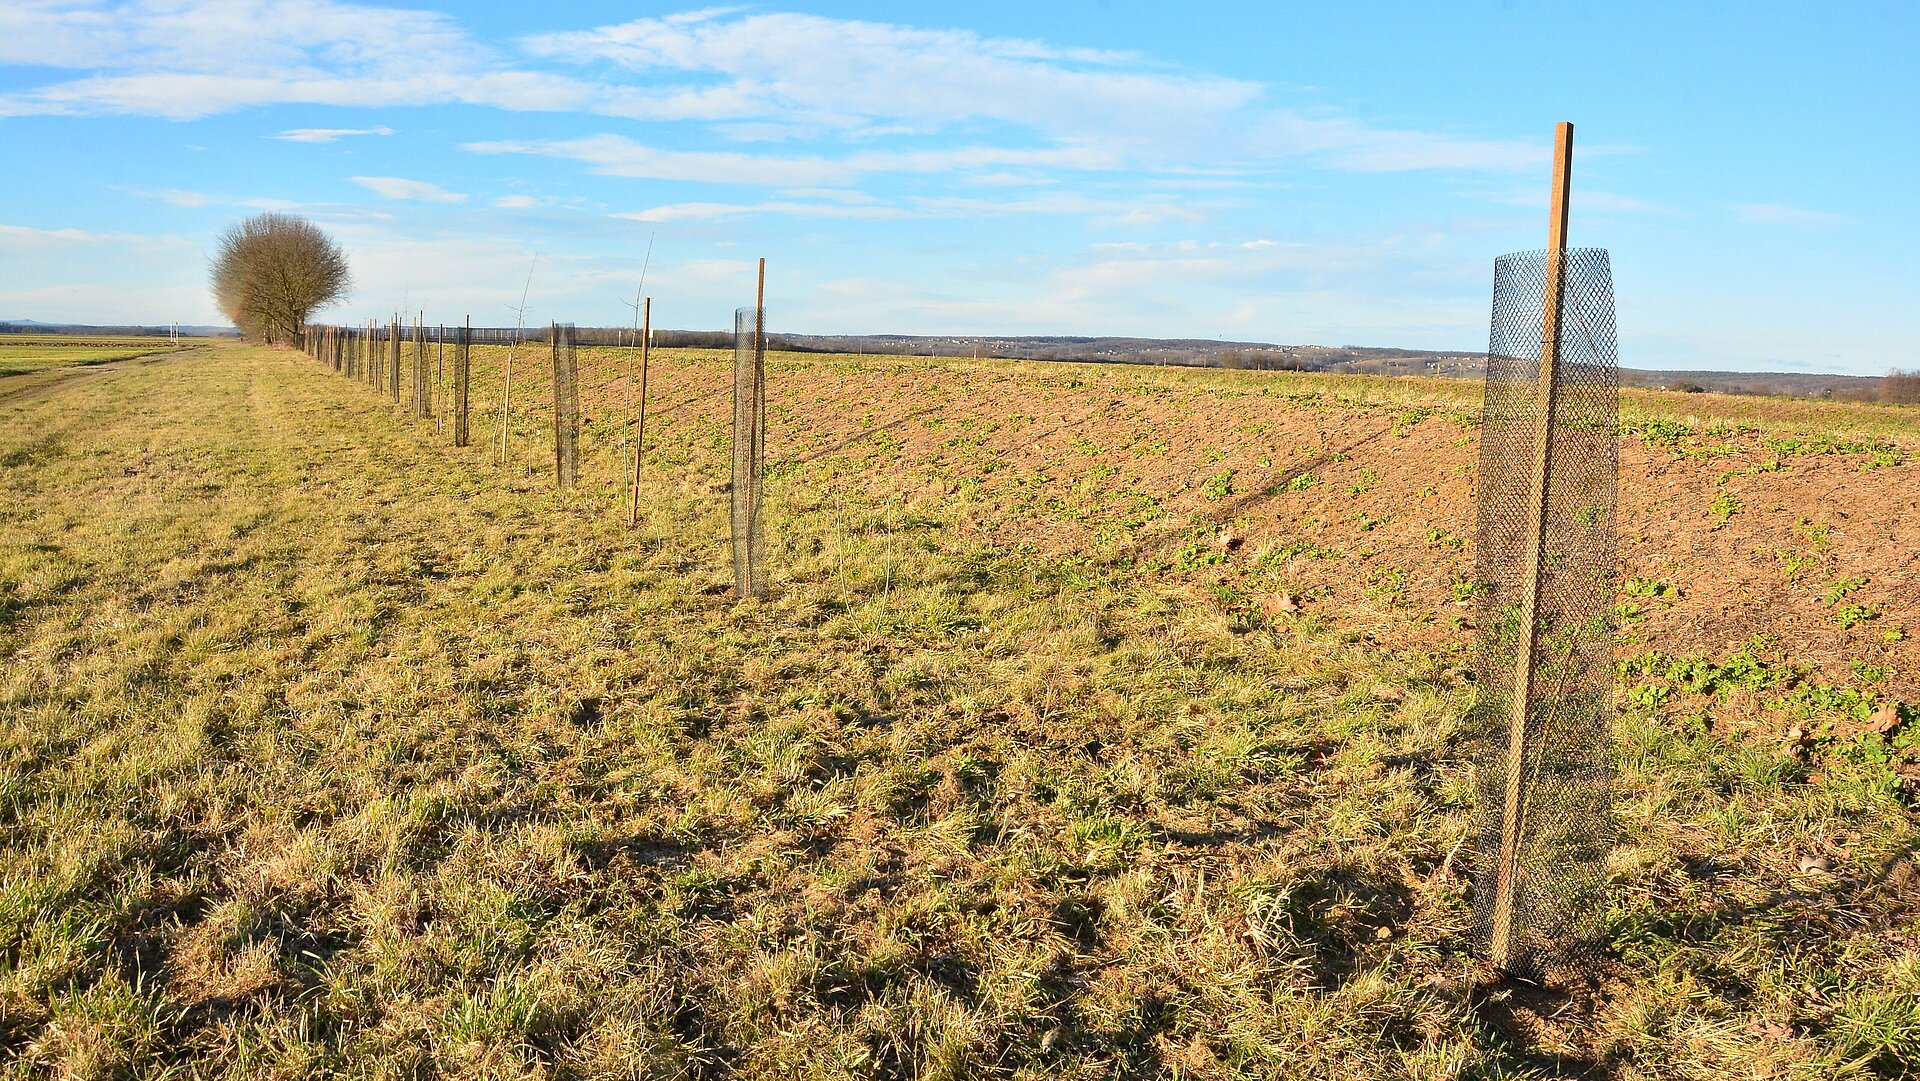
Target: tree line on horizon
[(272, 271)]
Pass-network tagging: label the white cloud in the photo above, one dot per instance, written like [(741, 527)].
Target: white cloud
[(708, 211), (1348, 144), (1790, 216), (1107, 211), (515, 202), (184, 197), (618, 155), (394, 187), (26, 236), (851, 74), (1112, 212), (327, 135), (748, 76), (1007, 180)]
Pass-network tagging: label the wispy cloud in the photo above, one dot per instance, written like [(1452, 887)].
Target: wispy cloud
[(185, 197), (709, 211), (755, 77), (25, 236), (394, 187), (618, 155), (1103, 211), (327, 135), (1792, 217), (852, 74)]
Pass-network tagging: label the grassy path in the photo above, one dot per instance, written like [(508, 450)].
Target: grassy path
[(327, 749)]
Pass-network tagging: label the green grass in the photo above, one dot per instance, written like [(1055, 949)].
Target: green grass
[(25, 354), (327, 749)]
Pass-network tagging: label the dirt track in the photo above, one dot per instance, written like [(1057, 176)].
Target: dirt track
[(35, 385)]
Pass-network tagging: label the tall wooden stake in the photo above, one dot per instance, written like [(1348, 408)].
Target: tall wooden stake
[(759, 414), (640, 431), (1512, 819)]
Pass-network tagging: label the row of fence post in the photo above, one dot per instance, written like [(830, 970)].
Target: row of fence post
[(372, 353)]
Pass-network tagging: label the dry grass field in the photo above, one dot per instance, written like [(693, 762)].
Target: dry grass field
[(24, 353), (1102, 722)]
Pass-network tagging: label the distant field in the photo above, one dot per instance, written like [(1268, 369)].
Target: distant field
[(1104, 722), (26, 353)]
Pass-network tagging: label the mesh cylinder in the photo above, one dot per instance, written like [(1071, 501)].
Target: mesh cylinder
[(422, 379), (462, 368), (1549, 459), (566, 408)]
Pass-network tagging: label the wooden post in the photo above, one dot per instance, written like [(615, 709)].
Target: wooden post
[(759, 437), (640, 432), (1513, 814)]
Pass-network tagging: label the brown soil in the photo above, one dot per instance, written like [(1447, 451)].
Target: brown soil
[(1052, 457)]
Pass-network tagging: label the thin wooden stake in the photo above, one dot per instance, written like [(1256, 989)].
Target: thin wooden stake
[(640, 431), (1512, 820), (758, 437)]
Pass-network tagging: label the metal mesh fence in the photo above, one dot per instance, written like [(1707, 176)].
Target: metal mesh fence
[(462, 369), (422, 378), (566, 408), (749, 451), (393, 360), (1548, 463)]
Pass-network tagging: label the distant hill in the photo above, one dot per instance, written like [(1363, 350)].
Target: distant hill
[(34, 326), (1188, 352), (1266, 356)]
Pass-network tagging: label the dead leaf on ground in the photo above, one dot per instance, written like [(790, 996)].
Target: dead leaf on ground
[(1276, 603)]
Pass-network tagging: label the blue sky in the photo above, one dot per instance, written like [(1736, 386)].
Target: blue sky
[(1300, 173)]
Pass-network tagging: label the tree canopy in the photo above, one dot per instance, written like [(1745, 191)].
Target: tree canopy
[(272, 270)]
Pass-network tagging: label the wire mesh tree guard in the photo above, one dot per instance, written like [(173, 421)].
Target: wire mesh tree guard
[(566, 408), (748, 488), (1549, 461)]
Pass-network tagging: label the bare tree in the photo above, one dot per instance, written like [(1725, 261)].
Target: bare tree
[(1900, 388), (272, 270)]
